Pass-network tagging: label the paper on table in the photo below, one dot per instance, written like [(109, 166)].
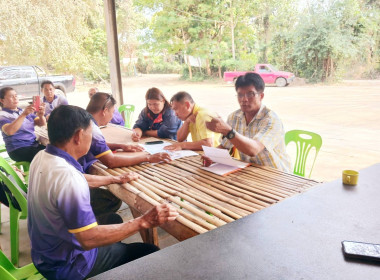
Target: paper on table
[(224, 164), (159, 148), (222, 156), (156, 148)]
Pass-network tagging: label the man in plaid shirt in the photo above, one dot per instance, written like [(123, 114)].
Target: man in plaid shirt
[(255, 131)]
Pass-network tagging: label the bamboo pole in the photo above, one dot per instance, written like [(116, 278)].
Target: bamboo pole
[(180, 219), (195, 192), (157, 194), (190, 198), (230, 180), (169, 174), (214, 192), (257, 203)]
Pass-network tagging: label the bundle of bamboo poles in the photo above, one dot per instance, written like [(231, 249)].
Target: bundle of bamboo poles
[(205, 200)]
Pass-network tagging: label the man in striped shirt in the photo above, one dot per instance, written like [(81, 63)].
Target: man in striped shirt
[(254, 130)]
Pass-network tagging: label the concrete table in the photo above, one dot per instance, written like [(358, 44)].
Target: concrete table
[(298, 238)]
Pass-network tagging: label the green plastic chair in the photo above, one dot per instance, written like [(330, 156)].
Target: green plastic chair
[(15, 214), (10, 171), (9, 272), (305, 141), (128, 110)]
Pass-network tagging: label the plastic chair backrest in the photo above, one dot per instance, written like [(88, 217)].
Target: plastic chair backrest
[(127, 110), (10, 171), (305, 141), (20, 198)]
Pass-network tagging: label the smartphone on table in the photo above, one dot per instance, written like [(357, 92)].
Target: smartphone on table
[(154, 142), (361, 250)]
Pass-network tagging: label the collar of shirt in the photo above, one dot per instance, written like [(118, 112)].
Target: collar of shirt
[(44, 99), (195, 109), (17, 111), (94, 121), (260, 114), (53, 150)]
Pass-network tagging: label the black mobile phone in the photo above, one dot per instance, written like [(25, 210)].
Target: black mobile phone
[(154, 142), (361, 250)]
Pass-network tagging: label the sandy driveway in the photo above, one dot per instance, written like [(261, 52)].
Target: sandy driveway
[(346, 115)]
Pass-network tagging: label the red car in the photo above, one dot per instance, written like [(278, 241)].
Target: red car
[(268, 72)]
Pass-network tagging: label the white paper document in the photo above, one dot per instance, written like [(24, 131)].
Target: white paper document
[(159, 148), (223, 163)]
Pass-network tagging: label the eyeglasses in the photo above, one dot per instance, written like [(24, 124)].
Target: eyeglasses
[(107, 100), (248, 95)]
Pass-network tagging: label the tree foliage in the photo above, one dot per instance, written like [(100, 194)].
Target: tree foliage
[(316, 39)]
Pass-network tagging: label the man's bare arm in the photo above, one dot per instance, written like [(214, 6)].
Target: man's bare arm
[(103, 235), (95, 181), (195, 146), (244, 144), (113, 161), (183, 131)]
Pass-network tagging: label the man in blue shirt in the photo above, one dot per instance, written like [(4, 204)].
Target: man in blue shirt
[(66, 241)]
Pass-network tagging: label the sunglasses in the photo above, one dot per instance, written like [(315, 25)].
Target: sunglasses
[(107, 100)]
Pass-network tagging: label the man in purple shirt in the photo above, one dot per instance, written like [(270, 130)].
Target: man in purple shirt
[(117, 118), (50, 99), (66, 241)]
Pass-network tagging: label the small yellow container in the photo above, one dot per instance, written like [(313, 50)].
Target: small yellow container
[(350, 177)]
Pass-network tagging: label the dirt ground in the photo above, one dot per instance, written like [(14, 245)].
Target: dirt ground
[(346, 115)]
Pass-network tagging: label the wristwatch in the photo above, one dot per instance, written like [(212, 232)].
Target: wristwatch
[(231, 134)]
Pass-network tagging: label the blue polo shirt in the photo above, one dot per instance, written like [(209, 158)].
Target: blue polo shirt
[(166, 127), (57, 101), (24, 137), (117, 119), (58, 207)]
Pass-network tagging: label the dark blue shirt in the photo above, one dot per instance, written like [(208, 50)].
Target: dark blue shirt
[(167, 128)]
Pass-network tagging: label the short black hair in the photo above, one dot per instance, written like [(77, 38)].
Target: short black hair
[(64, 121), (47, 82), (99, 101), (4, 91), (250, 79), (182, 96)]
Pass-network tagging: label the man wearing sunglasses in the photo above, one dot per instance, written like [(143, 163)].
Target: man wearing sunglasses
[(254, 130)]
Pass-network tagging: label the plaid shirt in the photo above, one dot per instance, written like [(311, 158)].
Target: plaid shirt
[(267, 128)]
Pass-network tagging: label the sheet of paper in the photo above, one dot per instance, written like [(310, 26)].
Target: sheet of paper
[(159, 148), (221, 169), (156, 148), (222, 156), (180, 154)]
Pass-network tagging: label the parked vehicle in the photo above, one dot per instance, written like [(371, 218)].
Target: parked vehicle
[(26, 80), (268, 72)]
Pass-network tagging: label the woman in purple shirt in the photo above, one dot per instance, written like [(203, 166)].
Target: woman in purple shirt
[(17, 126), (157, 119)]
